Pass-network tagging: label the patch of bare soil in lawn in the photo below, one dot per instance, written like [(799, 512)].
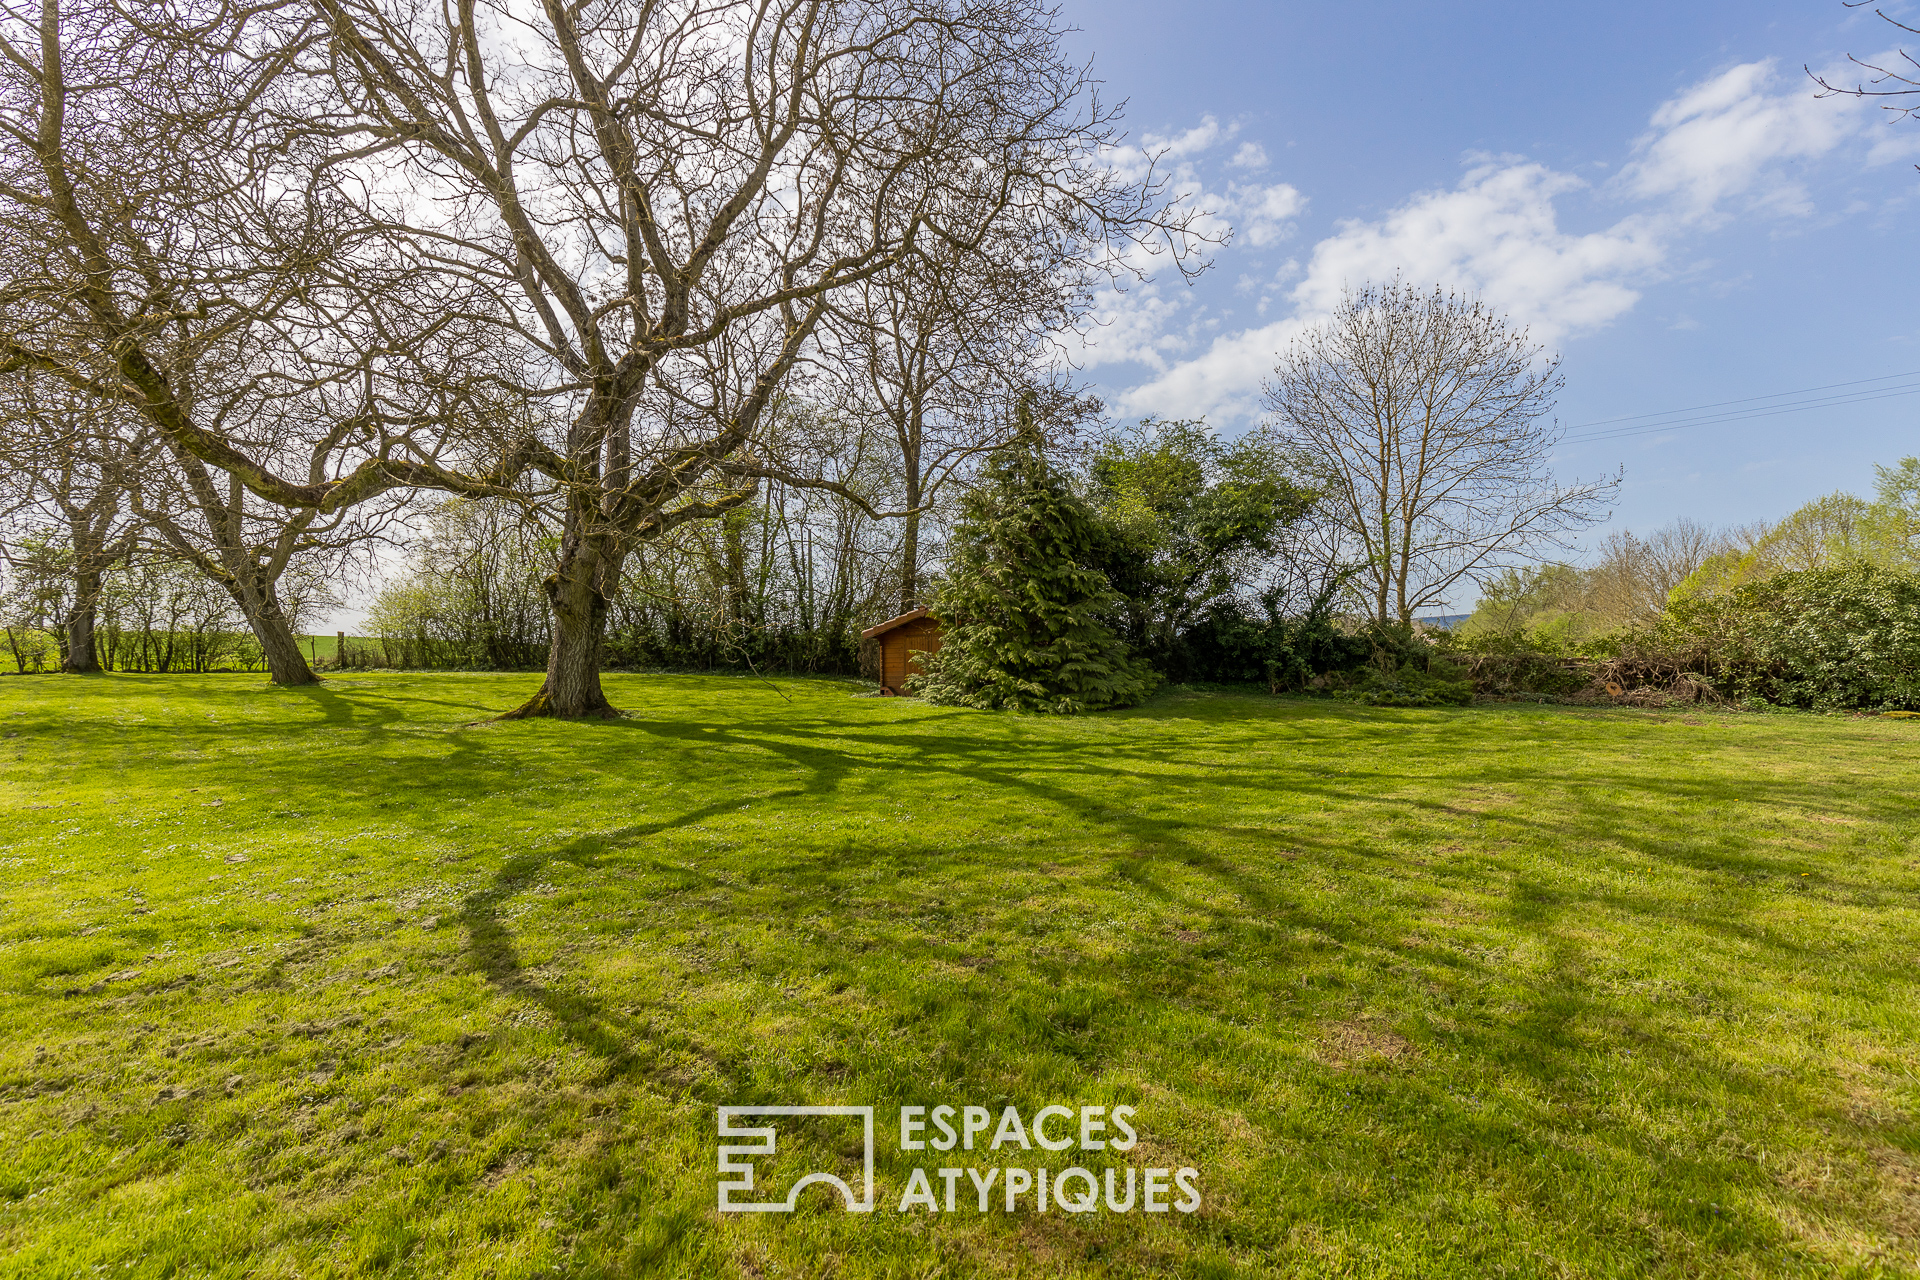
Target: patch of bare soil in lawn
[(1356, 1043)]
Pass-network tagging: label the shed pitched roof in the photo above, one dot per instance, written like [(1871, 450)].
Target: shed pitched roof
[(901, 621)]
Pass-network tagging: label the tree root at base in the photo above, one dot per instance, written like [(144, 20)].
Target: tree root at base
[(540, 706)]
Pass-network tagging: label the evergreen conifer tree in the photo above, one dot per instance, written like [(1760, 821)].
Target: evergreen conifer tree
[(1022, 614)]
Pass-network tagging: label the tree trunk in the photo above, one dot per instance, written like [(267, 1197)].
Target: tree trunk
[(910, 562), (910, 535), (579, 591), (286, 665), (81, 657)]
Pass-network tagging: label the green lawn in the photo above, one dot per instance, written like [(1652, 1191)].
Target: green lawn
[(319, 982)]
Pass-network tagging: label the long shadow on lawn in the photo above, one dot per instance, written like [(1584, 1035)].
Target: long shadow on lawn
[(587, 1021), (1532, 1036), (1526, 903), (830, 763)]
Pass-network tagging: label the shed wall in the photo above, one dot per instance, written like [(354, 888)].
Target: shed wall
[(897, 647)]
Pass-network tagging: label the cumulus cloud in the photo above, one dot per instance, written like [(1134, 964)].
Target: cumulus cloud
[(1496, 234), (1263, 215), (1250, 213), (1139, 325), (1715, 150), (1724, 138), (1251, 156)]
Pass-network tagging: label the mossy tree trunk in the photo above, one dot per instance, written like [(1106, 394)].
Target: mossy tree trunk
[(81, 656), (579, 591)]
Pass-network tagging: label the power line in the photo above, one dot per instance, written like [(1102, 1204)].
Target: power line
[(1675, 419), (1825, 402), (1721, 404)]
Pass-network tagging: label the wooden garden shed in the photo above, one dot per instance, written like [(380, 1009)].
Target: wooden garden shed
[(900, 638)]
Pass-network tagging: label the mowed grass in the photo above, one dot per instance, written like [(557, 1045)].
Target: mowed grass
[(320, 982)]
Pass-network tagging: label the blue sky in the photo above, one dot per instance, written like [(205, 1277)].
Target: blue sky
[(1651, 187)]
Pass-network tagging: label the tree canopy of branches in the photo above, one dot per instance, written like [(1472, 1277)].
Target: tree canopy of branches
[(596, 239), (181, 252), (665, 199), (1423, 415), (939, 356), (69, 464)]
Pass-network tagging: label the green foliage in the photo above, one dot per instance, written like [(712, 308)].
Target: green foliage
[(1519, 662), (1402, 668), (1892, 524), (1541, 600), (1233, 642), (1824, 639), (1024, 614), (1833, 532), (473, 599), (1187, 523), (1407, 686), (743, 592)]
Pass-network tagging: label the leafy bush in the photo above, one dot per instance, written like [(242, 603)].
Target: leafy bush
[(1819, 639), (1186, 522), (1409, 686), (1509, 663), (1233, 641), (1825, 639)]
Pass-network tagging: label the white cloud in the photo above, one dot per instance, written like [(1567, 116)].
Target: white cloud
[(1724, 138), (1223, 379), (1715, 149), (1263, 215), (1496, 234), (1140, 325), (1252, 213), (1192, 142), (1251, 156)]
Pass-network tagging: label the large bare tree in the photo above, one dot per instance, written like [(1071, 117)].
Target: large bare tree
[(664, 198), (644, 206), (181, 251), (1425, 415)]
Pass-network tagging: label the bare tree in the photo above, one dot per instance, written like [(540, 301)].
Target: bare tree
[(1424, 416), (940, 353), (664, 198), (71, 462), (180, 250), (1633, 578), (642, 207)]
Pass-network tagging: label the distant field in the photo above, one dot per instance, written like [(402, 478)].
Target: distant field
[(328, 646), (319, 982)]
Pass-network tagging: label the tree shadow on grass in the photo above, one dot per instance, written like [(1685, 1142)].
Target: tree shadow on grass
[(616, 1039)]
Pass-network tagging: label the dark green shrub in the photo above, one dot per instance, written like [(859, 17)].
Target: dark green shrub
[(1234, 642), (1024, 616), (1409, 686)]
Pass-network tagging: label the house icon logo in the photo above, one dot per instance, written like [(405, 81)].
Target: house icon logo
[(737, 1159)]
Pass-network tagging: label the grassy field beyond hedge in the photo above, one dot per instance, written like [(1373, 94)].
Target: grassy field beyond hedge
[(320, 982)]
